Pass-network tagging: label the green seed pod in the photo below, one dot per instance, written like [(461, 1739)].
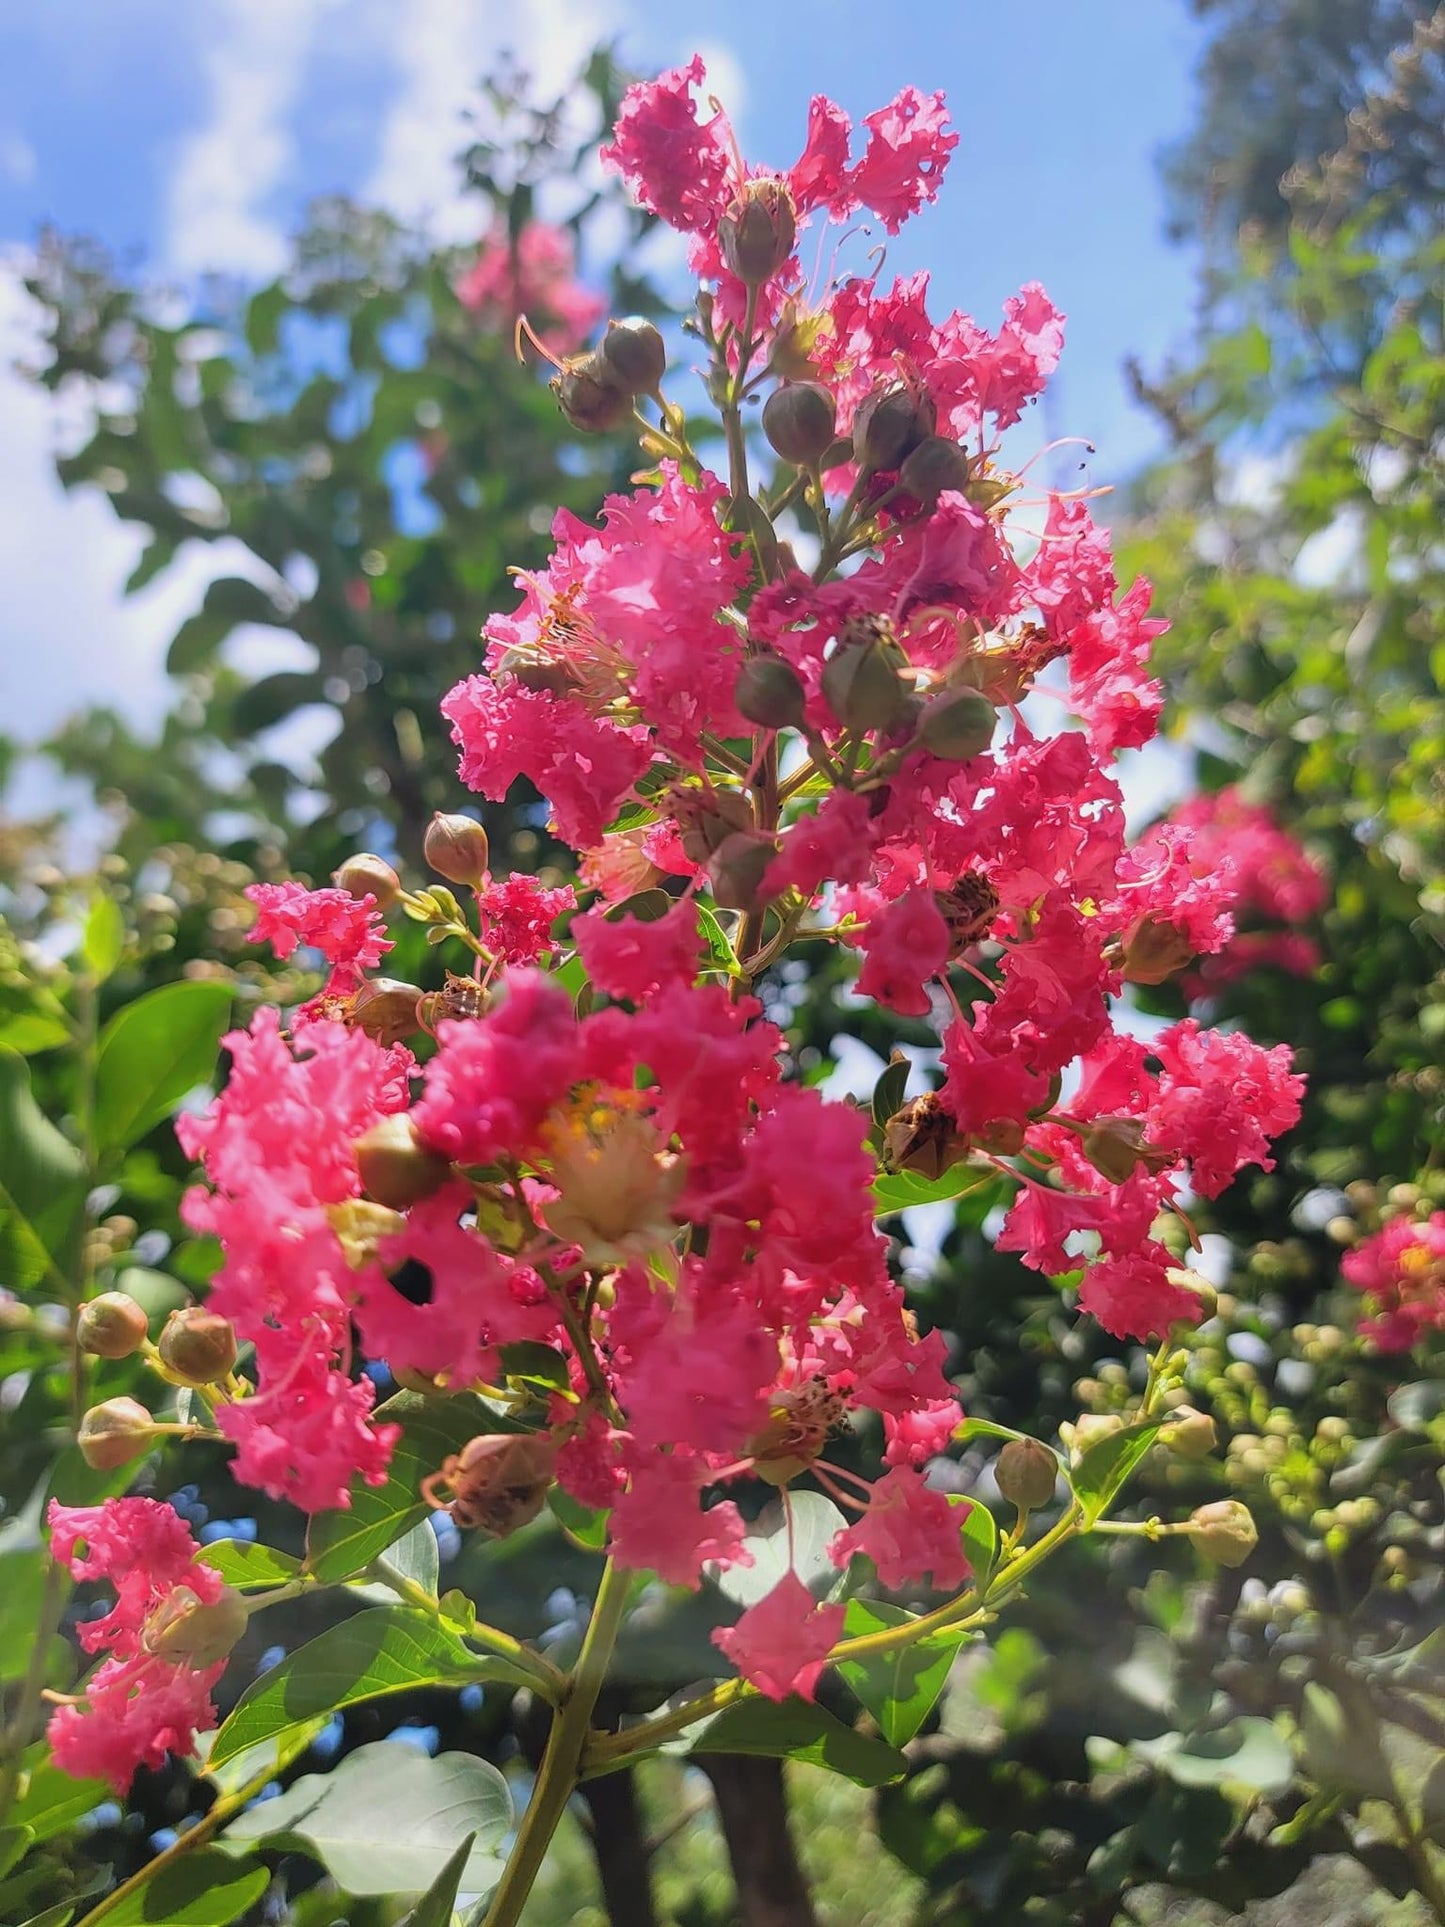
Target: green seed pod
[(635, 354), (889, 425), (114, 1433), (936, 465), (395, 1169), (1224, 1532), (1026, 1473), (957, 725), (368, 876), (800, 421), (589, 396), (770, 693), (197, 1346), (456, 848), (111, 1326), (1189, 1434), (862, 688), (757, 232)]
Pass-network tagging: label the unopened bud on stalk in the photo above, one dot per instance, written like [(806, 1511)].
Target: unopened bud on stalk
[(589, 396), (1189, 1434), (198, 1631), (456, 848), (936, 465), (1117, 1147), (114, 1433), (635, 354), (889, 425), (770, 692), (111, 1326), (1154, 950), (367, 875), (395, 1169), (800, 420), (1026, 1473), (757, 232), (385, 1010), (1088, 1429), (197, 1346), (1224, 1532), (706, 818), (957, 725), (863, 688), (737, 867)]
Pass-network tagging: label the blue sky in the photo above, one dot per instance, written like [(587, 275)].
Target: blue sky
[(188, 134)]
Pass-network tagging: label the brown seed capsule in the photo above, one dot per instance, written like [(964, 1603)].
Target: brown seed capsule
[(368, 875), (589, 395), (799, 1422), (936, 465), (1026, 1473), (769, 692), (396, 1169), (197, 1346), (456, 848), (737, 867), (757, 231), (862, 688), (957, 725), (111, 1326), (1117, 1148), (635, 354), (1224, 1532), (384, 1009), (800, 420), (706, 818), (495, 1484), (198, 1631), (114, 1433), (923, 1137), (889, 425), (969, 909)]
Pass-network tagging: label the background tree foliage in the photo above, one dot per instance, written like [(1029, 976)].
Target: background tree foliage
[(1142, 1742)]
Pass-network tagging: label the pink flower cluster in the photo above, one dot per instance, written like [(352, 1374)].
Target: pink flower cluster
[(1401, 1271), (138, 1704), (534, 275)]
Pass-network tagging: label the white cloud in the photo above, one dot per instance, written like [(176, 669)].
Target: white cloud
[(18, 159), (440, 49), (227, 169)]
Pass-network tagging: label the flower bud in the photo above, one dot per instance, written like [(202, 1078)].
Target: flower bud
[(737, 867), (197, 1631), (937, 464), (456, 848), (589, 396), (958, 724), (862, 687), (769, 692), (1026, 1473), (1116, 1147), (800, 420), (757, 232), (114, 1433), (635, 354), (706, 818), (923, 1137), (1154, 950), (1189, 1434), (1091, 1428), (889, 425), (395, 1169), (368, 875), (111, 1326), (384, 1009), (197, 1346), (1223, 1531)]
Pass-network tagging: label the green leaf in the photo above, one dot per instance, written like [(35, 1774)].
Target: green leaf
[(1106, 1465), (984, 1428), (979, 1531), (269, 1757), (388, 1819), (385, 1649), (229, 601), (414, 1557), (204, 1889), (901, 1190), (900, 1687), (434, 1909), (152, 1052), (22, 1582), (1247, 1753), (535, 1364), (888, 1091), (582, 1525), (720, 953), (340, 1543), (794, 1729), (102, 942), (15, 1843), (32, 1031), (60, 1916), (52, 1801), (42, 1186), (242, 1564), (815, 1521)]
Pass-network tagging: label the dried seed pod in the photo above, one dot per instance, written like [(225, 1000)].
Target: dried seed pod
[(635, 354)]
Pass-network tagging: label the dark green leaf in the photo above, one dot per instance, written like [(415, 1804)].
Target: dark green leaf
[(1106, 1465), (720, 953), (900, 1190), (22, 1581), (582, 1525), (900, 1687), (15, 1843), (434, 1909), (389, 1819), (153, 1052), (793, 1729), (204, 1889), (339, 1544), (979, 1531), (60, 1916), (1248, 1753), (42, 1186), (385, 1649), (888, 1091)]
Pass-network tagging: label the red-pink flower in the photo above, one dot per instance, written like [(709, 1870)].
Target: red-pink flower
[(781, 1644), (909, 142), (905, 946), (532, 273), (1221, 1099), (494, 1079), (626, 957), (658, 1524), (517, 914), (1401, 1271), (908, 1530), (347, 930), (1135, 1296), (138, 1705)]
